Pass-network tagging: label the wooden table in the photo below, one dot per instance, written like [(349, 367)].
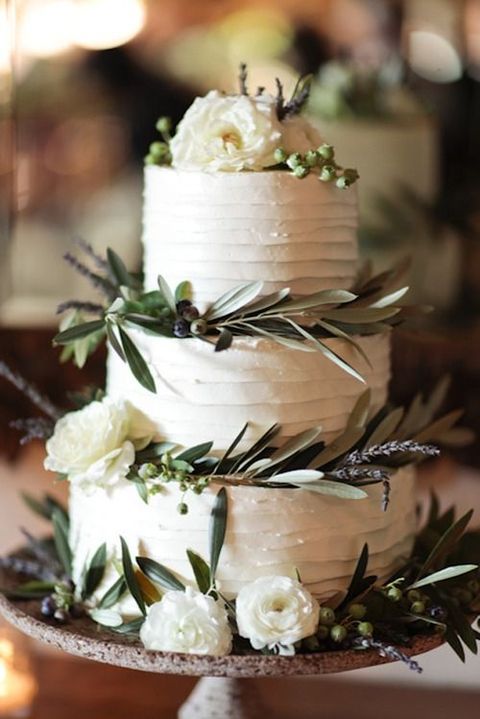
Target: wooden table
[(76, 689)]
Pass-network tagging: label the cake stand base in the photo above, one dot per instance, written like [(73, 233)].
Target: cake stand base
[(223, 698)]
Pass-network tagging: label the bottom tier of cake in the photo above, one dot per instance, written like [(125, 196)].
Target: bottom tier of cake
[(269, 532)]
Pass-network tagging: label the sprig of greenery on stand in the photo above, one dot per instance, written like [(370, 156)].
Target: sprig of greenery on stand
[(301, 323), (437, 591)]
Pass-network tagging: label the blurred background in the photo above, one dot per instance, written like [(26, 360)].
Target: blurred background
[(396, 90)]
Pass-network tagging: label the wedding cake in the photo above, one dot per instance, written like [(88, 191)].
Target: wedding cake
[(255, 392)]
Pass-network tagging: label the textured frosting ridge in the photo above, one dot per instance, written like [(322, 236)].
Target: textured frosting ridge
[(270, 531), (204, 396), (221, 229)]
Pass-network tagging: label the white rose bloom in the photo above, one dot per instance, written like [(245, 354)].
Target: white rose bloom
[(228, 133), (91, 445), (299, 135), (187, 622), (276, 612)]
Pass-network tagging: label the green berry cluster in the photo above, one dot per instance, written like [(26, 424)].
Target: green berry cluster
[(340, 627), (322, 160), (159, 151), (168, 469)]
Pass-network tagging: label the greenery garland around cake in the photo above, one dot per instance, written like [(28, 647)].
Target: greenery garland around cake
[(373, 305), (437, 592)]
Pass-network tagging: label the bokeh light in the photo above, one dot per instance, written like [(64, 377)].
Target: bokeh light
[(433, 56), (103, 24)]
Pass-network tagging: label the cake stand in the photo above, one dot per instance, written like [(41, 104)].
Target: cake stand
[(223, 693)]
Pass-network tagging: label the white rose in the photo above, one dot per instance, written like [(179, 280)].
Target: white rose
[(187, 622), (91, 445), (299, 135), (276, 612), (228, 133)]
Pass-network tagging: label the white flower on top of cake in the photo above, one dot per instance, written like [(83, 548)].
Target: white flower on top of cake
[(95, 445), (188, 622), (229, 133), (276, 612)]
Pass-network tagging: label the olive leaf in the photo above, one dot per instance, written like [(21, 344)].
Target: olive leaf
[(167, 294), (391, 298), (35, 589), (78, 332), (118, 269), (60, 535), (444, 574), (292, 446), (217, 530), (106, 617), (334, 489), (159, 574), (114, 343), (324, 297), (221, 464), (201, 571), (233, 300), (129, 628), (439, 427), (224, 341), (113, 594), (95, 572), (386, 428), (191, 454), (136, 363), (339, 446), (130, 577), (245, 460), (267, 302), (361, 315), (296, 476), (359, 583), (446, 542)]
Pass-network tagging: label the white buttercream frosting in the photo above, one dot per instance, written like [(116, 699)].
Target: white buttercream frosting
[(204, 395), (221, 229), (269, 532)]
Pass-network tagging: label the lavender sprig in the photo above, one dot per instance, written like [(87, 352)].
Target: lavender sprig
[(280, 100), (33, 428), (89, 307), (99, 283), (355, 474), (29, 567), (242, 78), (389, 651), (87, 248), (363, 456), (30, 391)]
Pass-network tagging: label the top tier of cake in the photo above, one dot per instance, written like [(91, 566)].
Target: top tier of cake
[(222, 229)]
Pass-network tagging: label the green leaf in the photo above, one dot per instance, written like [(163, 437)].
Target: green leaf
[(437, 397), (233, 300), (183, 291), (324, 297), (363, 315), (439, 427), (60, 535), (136, 362), (224, 340), (446, 542), (153, 451), (391, 298), (35, 589), (340, 445), (95, 572), (230, 449), (130, 578), (267, 302), (359, 414), (218, 527), (357, 582), (159, 574), (201, 571), (106, 617), (294, 445), (385, 429), (334, 489), (129, 628), (78, 332), (118, 269), (452, 639), (461, 625), (114, 594), (334, 357), (38, 507), (246, 459), (191, 454), (444, 574), (296, 476), (140, 486), (114, 343), (167, 294)]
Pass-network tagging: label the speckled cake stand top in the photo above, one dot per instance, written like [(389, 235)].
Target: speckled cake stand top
[(211, 697)]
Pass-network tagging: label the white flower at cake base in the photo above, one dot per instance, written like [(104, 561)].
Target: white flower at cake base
[(187, 622), (276, 612), (91, 446), (227, 133)]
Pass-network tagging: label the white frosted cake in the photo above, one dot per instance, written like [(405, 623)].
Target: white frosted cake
[(223, 225)]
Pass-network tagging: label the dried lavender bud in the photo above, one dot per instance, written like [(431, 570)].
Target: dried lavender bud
[(387, 650), (388, 449)]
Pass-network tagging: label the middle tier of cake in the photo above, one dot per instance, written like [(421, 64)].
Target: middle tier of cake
[(204, 395)]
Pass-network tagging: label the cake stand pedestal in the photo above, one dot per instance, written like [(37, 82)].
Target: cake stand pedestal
[(225, 692)]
